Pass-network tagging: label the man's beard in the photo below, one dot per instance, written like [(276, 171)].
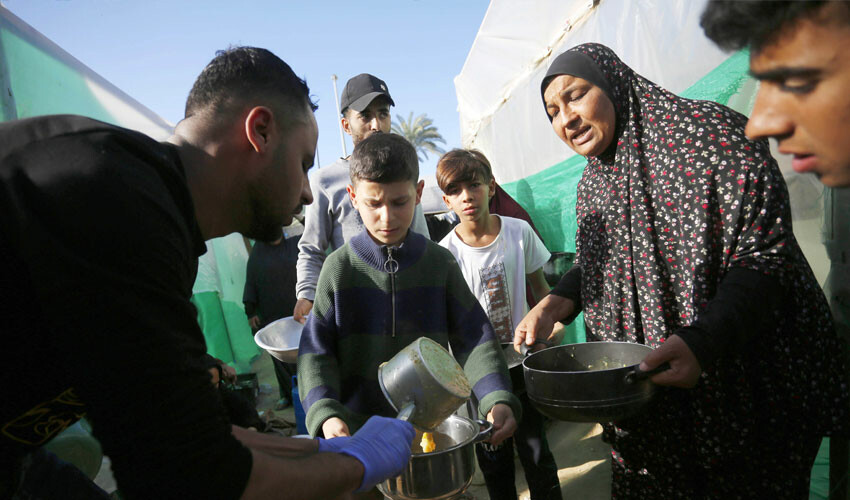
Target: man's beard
[(264, 226), (366, 135)]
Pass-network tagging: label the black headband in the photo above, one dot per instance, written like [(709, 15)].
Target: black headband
[(576, 64)]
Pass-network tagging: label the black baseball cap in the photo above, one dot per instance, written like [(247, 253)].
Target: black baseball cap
[(361, 90)]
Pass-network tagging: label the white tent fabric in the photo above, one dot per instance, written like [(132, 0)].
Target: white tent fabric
[(498, 88)]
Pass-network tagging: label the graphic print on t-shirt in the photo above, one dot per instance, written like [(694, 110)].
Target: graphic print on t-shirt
[(495, 283)]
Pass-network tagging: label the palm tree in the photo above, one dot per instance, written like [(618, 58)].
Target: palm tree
[(421, 132)]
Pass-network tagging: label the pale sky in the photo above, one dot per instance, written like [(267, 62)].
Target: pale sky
[(154, 49)]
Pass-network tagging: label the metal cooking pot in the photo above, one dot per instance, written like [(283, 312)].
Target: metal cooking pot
[(590, 382), (424, 383), (445, 472)]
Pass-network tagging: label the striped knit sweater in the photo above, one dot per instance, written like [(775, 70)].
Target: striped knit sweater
[(363, 315)]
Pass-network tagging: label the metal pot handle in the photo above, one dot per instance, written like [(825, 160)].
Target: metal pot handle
[(406, 412), (524, 349), (485, 430), (637, 374)]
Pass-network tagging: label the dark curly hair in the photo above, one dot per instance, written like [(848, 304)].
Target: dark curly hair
[(246, 73), (384, 158), (733, 25)]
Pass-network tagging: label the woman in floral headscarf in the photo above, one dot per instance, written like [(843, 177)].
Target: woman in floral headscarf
[(684, 244)]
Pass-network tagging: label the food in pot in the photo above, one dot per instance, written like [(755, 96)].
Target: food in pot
[(439, 440), (606, 363), (428, 445)]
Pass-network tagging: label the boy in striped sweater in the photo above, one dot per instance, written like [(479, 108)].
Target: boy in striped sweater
[(381, 291)]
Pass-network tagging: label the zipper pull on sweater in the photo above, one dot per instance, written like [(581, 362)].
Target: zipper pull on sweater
[(391, 266)]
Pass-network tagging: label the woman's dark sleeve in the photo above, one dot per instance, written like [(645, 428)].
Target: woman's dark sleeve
[(745, 299), (756, 221), (569, 287)]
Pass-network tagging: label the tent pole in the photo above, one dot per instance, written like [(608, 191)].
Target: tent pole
[(338, 114)]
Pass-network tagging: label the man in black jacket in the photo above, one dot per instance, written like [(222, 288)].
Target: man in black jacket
[(100, 231)]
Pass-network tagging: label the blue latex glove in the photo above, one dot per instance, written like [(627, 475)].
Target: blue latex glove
[(333, 445), (383, 447)]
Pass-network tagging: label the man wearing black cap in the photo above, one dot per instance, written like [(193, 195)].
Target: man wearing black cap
[(331, 220)]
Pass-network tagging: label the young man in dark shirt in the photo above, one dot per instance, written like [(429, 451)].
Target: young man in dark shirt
[(100, 230), (799, 53)]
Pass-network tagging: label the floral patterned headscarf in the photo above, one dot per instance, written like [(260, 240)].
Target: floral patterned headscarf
[(679, 199), (682, 196)]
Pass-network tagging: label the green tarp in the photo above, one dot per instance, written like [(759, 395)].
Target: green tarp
[(218, 297), (226, 331)]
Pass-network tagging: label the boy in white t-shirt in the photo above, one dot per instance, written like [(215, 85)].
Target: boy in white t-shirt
[(497, 256)]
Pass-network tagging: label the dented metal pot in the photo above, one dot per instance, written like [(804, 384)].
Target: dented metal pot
[(445, 472), (424, 383)]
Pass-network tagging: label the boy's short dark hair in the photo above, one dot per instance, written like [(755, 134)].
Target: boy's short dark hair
[(463, 165), (384, 158), (246, 73), (733, 25)]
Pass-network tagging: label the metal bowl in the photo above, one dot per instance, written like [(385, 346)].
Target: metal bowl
[(446, 471), (590, 382), (280, 339)]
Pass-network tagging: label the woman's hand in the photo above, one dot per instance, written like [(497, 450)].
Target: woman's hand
[(540, 321), (335, 427), (684, 368)]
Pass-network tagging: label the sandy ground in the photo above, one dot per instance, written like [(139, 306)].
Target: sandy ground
[(583, 462)]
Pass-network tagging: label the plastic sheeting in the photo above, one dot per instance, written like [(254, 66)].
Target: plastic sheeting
[(39, 78), (218, 296), (498, 89), (502, 115)]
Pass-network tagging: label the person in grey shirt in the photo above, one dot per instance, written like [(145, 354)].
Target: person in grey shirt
[(331, 220)]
